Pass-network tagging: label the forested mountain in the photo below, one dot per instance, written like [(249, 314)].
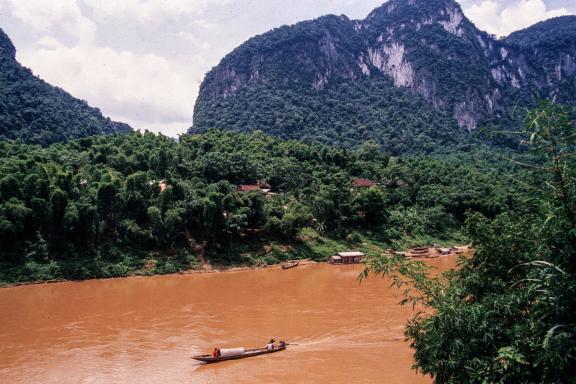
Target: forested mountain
[(36, 112), (412, 75)]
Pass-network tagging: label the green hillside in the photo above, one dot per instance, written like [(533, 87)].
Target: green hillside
[(33, 111)]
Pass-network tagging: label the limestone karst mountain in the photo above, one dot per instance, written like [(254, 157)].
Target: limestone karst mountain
[(413, 74)]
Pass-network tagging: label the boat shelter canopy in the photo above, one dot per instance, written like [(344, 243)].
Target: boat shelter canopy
[(346, 257), (350, 254)]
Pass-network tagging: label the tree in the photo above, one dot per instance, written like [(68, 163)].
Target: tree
[(173, 225), (71, 218), (371, 203), (106, 202), (9, 188), (58, 203)]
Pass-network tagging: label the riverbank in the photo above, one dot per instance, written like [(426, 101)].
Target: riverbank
[(311, 247), (207, 268)]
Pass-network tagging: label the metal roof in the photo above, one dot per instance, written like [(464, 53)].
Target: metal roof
[(350, 254)]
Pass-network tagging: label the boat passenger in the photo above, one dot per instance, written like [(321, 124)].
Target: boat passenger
[(270, 345), (282, 343), (215, 352)]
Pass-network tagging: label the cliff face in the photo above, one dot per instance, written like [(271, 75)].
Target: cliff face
[(33, 111), (547, 57), (432, 49), (309, 53), (427, 48)]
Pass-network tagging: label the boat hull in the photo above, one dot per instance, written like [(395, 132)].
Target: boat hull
[(290, 265), (248, 353)]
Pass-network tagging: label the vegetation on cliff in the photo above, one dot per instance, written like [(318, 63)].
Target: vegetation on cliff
[(33, 111), (345, 115)]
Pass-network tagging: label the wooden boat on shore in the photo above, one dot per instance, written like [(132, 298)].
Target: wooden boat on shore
[(246, 353), (291, 264)]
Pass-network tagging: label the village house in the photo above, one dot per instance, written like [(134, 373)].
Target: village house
[(261, 186), (249, 188)]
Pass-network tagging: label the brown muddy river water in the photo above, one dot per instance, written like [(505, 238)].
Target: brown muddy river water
[(145, 330)]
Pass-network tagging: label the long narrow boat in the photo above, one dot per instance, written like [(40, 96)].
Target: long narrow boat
[(247, 353), (290, 264)]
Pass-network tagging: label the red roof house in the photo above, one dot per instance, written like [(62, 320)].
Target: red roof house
[(363, 183), (248, 188)]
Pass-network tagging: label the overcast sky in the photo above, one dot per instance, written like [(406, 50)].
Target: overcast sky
[(142, 61)]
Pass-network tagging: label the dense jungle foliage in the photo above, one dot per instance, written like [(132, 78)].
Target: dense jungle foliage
[(103, 206), (345, 114), (508, 315), (33, 111), (557, 32)]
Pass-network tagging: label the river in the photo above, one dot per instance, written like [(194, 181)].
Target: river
[(145, 329)]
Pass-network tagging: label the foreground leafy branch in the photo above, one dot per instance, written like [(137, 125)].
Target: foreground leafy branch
[(508, 315), (411, 276)]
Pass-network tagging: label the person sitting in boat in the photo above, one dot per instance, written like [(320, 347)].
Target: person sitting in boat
[(282, 343), (215, 352), (270, 345)]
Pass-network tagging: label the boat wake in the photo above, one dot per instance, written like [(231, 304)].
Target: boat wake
[(353, 338)]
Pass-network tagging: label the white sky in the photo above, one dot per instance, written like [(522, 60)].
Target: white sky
[(142, 61)]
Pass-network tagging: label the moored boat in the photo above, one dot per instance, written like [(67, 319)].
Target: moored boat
[(291, 264), (240, 354)]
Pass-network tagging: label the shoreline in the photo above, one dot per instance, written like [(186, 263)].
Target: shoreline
[(205, 269), (208, 268)]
